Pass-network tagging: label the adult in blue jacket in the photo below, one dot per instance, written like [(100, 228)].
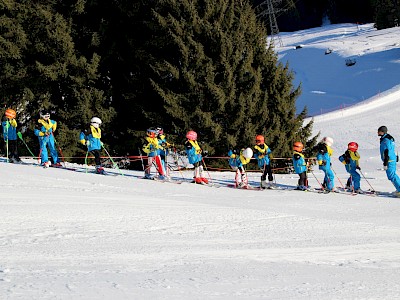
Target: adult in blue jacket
[(45, 133), (388, 156)]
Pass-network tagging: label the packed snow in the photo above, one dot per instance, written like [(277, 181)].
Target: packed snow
[(327, 82), (75, 235)]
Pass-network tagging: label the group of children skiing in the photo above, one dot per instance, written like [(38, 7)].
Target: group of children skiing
[(156, 147)]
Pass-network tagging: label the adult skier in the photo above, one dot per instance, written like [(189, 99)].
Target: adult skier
[(389, 157)]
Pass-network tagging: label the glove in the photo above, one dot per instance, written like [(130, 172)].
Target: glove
[(88, 143), (323, 163), (385, 167), (358, 168)]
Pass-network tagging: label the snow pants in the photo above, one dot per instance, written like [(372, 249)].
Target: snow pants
[(355, 179), (392, 176), (44, 142)]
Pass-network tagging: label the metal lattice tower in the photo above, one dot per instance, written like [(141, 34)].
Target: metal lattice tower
[(267, 9)]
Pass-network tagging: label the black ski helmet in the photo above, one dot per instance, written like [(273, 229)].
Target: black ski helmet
[(382, 129)]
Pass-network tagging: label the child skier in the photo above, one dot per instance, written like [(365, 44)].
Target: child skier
[(237, 161), (193, 152), (262, 153), (350, 159), (163, 148), (90, 137), (45, 133), (10, 135), (151, 148), (300, 166), (324, 162)]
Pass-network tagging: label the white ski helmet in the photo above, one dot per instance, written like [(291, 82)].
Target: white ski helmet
[(328, 141), (247, 153), (95, 122)]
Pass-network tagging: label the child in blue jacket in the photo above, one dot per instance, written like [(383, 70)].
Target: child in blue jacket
[(324, 162), (195, 158), (10, 135), (300, 166), (90, 137), (237, 160), (263, 155), (45, 133), (351, 161)]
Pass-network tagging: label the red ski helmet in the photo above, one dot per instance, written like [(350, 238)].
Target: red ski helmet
[(191, 135), (10, 113), (352, 146), (298, 146), (259, 139)]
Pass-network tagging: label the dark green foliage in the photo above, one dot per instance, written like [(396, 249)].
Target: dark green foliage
[(201, 64), (387, 13), (217, 76), (42, 69)]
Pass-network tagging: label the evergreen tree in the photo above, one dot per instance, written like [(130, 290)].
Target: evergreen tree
[(216, 75), (387, 13), (51, 74)]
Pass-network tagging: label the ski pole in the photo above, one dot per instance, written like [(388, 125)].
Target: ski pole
[(204, 164), (86, 157), (7, 127), (19, 134), (372, 189), (59, 148), (317, 179), (141, 158), (114, 164)]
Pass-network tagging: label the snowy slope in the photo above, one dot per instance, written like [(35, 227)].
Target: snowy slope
[(72, 235), (327, 83)]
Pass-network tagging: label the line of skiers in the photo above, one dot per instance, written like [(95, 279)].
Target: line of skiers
[(156, 148), (44, 130)]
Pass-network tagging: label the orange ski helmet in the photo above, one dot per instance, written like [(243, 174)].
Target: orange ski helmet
[(10, 113), (298, 146), (260, 139)]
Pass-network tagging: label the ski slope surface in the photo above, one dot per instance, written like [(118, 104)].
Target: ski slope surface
[(327, 83), (75, 235)]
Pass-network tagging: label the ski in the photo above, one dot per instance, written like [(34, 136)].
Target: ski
[(62, 167), (162, 180)]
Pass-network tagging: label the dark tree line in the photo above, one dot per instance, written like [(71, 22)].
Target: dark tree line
[(302, 14), (188, 64)]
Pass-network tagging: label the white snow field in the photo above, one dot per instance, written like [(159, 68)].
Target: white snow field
[(327, 83), (72, 235)]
